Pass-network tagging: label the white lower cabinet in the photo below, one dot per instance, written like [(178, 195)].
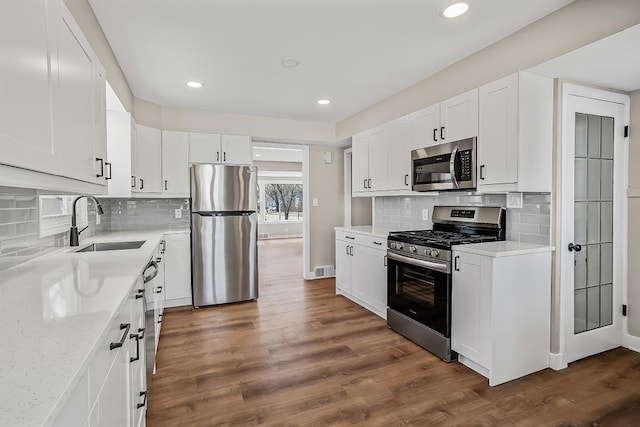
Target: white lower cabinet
[(501, 310), (112, 391), (361, 270), (177, 273)]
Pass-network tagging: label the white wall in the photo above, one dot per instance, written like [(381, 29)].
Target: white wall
[(579, 23)]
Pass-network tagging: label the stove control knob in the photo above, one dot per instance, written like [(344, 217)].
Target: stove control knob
[(399, 245), (435, 253), (427, 252), (392, 245), (412, 249)]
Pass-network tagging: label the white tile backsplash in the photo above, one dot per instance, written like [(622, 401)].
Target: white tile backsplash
[(531, 223)]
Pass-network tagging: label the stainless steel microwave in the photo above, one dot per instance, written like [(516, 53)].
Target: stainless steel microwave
[(450, 166)]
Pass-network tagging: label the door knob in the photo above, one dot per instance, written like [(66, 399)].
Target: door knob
[(573, 247)]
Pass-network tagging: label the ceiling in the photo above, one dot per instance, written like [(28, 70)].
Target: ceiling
[(353, 52), (612, 62)]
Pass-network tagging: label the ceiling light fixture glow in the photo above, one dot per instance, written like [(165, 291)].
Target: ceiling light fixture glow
[(324, 102), (289, 62), (455, 10), (195, 85)]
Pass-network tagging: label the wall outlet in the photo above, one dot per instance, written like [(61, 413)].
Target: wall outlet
[(514, 200), (425, 214), (178, 213), (315, 201)]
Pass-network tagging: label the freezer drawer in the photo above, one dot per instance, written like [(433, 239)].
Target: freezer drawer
[(224, 258), (216, 188)]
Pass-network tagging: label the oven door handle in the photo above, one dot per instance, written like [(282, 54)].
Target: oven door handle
[(418, 262), (452, 167)]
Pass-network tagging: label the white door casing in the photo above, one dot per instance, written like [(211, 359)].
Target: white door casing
[(577, 99)]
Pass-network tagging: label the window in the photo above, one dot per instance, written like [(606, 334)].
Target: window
[(280, 201)]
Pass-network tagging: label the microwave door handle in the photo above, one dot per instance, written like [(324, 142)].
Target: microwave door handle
[(452, 167)]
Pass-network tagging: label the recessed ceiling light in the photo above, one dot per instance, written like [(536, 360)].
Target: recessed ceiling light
[(195, 85), (455, 10), (290, 62), (324, 102)]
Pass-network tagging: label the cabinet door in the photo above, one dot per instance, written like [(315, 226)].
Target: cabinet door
[(113, 404), (204, 148), (175, 163), (471, 307), (399, 154), (134, 167), (236, 149), (343, 266), (360, 162), (148, 158), (378, 159), (119, 135), (137, 365), (73, 118), (498, 132), (459, 117), (426, 127), (25, 108), (100, 122), (177, 273), (374, 270)]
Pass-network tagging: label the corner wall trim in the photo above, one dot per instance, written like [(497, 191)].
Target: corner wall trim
[(557, 361), (632, 343)]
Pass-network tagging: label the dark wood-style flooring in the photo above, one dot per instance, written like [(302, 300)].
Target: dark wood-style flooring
[(302, 356)]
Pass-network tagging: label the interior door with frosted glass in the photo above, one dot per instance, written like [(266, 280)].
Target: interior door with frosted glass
[(596, 293)]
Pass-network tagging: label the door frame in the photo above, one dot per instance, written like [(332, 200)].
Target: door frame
[(563, 223)]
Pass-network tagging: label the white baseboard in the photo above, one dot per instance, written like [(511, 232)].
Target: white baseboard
[(632, 343), (557, 361)]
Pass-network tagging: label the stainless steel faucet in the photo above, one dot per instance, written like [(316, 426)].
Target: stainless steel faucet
[(74, 233)]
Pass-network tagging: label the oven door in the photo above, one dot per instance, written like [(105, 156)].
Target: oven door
[(421, 290), (445, 166)]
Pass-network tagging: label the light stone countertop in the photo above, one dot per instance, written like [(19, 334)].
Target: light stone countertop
[(367, 229), (502, 249), (54, 311)]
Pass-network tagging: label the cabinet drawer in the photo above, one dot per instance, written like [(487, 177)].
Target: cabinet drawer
[(101, 363), (347, 236), (373, 242)]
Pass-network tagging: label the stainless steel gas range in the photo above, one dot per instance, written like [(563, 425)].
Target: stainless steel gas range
[(419, 272)]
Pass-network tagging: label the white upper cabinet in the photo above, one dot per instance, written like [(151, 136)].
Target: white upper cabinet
[(426, 127), (25, 108), (214, 148), (148, 160), (175, 163), (516, 134), (399, 154), (236, 149), (75, 74), (360, 162), (378, 159), (119, 144), (459, 117)]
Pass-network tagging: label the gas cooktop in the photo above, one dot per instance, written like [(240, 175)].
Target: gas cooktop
[(438, 239)]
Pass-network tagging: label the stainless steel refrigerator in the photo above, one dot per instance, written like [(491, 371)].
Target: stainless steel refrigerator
[(224, 234)]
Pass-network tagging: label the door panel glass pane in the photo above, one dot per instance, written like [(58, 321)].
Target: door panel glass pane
[(606, 180), (580, 270), (593, 222), (606, 222), (593, 265), (607, 138), (593, 137), (580, 180), (580, 222), (580, 311), (606, 263), (593, 179), (593, 308), (606, 304), (581, 135)]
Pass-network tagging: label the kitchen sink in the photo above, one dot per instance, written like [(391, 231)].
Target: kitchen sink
[(112, 246)]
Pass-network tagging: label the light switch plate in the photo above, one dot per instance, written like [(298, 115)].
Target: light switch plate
[(315, 201), (514, 200), (178, 213), (425, 214)]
